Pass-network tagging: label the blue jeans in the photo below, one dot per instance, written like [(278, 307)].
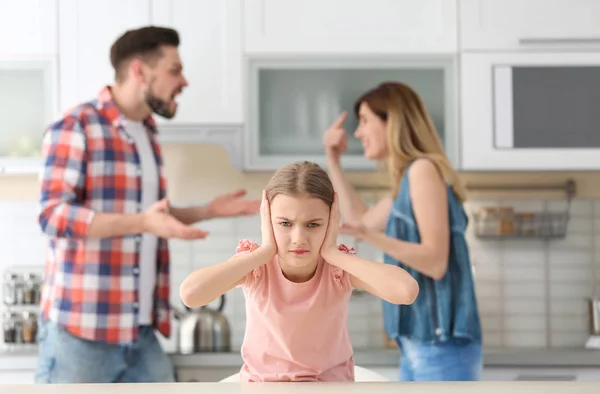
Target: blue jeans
[(65, 358), (454, 360)]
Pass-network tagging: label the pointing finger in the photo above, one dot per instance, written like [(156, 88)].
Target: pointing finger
[(340, 120)]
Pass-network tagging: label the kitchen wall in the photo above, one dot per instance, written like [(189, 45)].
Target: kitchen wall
[(532, 293)]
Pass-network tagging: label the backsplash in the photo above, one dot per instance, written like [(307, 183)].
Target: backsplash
[(531, 293)]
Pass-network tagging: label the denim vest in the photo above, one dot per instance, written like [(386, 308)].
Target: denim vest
[(445, 308)]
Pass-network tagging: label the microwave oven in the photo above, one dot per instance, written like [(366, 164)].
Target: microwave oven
[(530, 111)]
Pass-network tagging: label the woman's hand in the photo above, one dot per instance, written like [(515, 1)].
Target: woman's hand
[(335, 140), (356, 229), (266, 226), (330, 242)]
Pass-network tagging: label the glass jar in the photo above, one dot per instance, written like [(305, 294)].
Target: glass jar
[(31, 289), (527, 220), (507, 221), (11, 324), (12, 289), (29, 327), (488, 222)]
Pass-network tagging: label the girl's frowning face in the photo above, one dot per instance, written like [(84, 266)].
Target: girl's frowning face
[(299, 227)]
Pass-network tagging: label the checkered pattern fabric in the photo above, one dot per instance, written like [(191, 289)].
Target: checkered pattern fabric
[(90, 165)]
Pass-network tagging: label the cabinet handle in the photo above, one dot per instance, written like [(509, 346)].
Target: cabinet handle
[(559, 40)]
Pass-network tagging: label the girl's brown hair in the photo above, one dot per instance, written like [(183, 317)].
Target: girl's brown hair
[(301, 179), (411, 133)]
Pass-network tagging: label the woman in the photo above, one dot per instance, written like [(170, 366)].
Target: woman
[(419, 228)]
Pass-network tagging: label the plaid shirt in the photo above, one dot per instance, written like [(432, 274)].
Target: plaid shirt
[(91, 284)]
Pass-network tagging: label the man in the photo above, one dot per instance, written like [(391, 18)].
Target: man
[(104, 209)]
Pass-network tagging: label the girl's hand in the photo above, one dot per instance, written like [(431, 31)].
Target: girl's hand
[(330, 242), (266, 227)]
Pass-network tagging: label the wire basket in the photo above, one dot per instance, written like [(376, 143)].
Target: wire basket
[(509, 224)]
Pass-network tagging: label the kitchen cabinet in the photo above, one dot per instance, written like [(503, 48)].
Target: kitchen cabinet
[(504, 374), (28, 81), (86, 32), (530, 111), (353, 26), (292, 101), (17, 377), (25, 114), (17, 367), (210, 33), (28, 27), (390, 373), (529, 25), (205, 374), (211, 51), (538, 373)]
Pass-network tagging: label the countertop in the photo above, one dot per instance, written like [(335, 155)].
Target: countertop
[(390, 358), (325, 388), (573, 357)]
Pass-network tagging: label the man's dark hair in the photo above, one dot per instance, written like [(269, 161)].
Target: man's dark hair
[(144, 43)]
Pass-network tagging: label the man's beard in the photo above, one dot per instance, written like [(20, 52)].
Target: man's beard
[(158, 105)]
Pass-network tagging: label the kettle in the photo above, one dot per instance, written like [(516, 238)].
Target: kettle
[(203, 330)]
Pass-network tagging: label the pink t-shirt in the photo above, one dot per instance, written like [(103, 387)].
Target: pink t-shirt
[(296, 331)]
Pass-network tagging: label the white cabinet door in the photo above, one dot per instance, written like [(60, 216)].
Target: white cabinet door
[(28, 103), (28, 27), (17, 377), (499, 374), (87, 30), (351, 26), (529, 24), (205, 374), (292, 101), (530, 111), (210, 34)]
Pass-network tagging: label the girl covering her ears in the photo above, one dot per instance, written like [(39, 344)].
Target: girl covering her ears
[(297, 283)]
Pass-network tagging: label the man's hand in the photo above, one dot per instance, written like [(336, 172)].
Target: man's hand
[(231, 204), (158, 221)]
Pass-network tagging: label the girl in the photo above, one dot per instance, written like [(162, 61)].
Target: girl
[(297, 283), (424, 223)]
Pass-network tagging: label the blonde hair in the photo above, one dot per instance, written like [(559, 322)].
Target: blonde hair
[(301, 179), (411, 133)]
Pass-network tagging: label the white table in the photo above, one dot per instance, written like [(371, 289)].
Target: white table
[(325, 388)]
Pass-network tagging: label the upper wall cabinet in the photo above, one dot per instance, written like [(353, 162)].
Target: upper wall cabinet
[(28, 81), (210, 33), (352, 26), (87, 30), (25, 114), (291, 102), (28, 27), (529, 24)]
